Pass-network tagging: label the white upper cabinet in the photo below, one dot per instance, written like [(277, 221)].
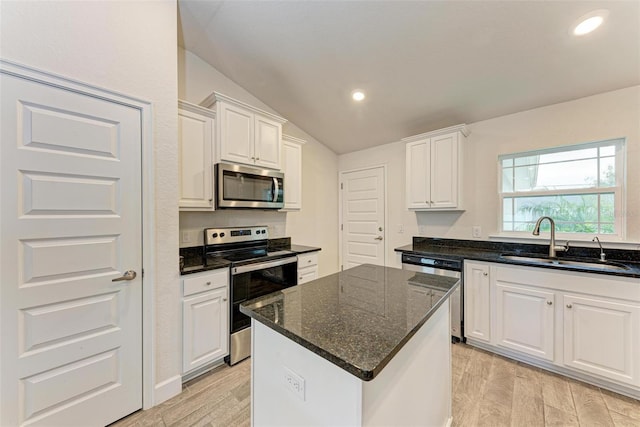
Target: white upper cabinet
[(195, 148), (245, 134), (433, 169), (292, 168)]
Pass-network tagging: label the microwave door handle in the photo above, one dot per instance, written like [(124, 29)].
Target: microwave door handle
[(276, 187)]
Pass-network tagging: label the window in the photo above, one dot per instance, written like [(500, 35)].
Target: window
[(579, 186)]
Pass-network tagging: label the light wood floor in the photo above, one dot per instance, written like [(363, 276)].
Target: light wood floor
[(488, 390)]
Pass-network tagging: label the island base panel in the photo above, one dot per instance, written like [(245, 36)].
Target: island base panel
[(413, 389)]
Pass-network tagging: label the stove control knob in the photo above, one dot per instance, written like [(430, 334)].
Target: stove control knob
[(264, 231), (221, 234), (214, 235)]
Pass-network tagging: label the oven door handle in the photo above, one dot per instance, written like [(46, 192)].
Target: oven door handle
[(262, 265)]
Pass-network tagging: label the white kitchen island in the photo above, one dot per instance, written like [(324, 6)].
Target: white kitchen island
[(364, 347)]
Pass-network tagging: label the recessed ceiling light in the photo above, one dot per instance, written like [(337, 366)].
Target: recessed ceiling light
[(357, 95), (590, 22)]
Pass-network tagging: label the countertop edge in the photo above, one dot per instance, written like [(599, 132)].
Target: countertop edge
[(363, 374), (494, 256)]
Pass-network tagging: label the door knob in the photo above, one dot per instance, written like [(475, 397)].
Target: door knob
[(128, 275), (378, 238)]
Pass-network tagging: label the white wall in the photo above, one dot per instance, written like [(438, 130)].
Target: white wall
[(128, 47), (599, 117), (317, 223)]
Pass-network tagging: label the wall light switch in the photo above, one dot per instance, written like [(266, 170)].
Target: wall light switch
[(476, 231), (186, 237), (400, 228)]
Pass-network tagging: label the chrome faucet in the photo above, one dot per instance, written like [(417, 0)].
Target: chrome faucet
[(603, 257), (552, 243)]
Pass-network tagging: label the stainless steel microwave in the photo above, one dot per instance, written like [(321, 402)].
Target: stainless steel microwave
[(247, 187)]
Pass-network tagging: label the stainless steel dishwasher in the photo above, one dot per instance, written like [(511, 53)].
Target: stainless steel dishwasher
[(443, 267)]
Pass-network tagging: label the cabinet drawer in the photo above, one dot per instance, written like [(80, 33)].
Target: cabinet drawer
[(307, 274), (205, 282), (306, 260)]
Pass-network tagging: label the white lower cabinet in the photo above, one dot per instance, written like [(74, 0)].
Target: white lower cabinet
[(307, 267), (602, 336), (524, 319), (205, 327), (477, 313), (581, 324)]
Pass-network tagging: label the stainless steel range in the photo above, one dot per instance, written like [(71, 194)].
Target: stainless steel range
[(254, 272)]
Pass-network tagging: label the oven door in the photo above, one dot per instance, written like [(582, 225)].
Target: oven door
[(246, 187), (252, 281)]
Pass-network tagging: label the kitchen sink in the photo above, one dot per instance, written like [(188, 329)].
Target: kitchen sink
[(610, 266)]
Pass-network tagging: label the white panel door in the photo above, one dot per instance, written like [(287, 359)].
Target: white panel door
[(292, 168), (444, 171), (477, 302), (236, 134), (602, 337), (267, 143), (363, 217), (71, 223), (205, 328), (418, 181), (195, 141), (524, 319)]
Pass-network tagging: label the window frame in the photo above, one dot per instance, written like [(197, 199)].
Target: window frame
[(619, 190)]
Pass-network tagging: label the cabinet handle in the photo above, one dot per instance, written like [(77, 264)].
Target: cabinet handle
[(224, 299), (257, 158), (208, 283), (549, 302), (300, 278), (569, 306), (485, 274)]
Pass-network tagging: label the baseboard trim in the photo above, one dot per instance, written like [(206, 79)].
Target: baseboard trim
[(167, 389)]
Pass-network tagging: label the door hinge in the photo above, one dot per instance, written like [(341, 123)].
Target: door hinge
[(341, 227), (142, 273), (341, 186), (341, 267)]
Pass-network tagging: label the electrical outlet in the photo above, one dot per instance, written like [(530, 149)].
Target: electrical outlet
[(476, 231), (186, 237), (400, 228), (294, 382), (422, 230)]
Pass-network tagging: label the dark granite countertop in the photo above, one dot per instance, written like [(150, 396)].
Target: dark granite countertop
[(300, 249), (492, 252), (357, 319)]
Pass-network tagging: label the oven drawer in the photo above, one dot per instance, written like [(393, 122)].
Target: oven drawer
[(205, 282), (307, 260)]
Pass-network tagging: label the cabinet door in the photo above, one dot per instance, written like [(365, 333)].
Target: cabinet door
[(292, 168), (418, 182), (602, 337), (205, 328), (236, 134), (477, 302), (195, 142), (267, 142), (524, 319), (444, 171)]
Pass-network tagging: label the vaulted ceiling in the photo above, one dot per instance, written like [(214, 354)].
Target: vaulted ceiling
[(422, 64)]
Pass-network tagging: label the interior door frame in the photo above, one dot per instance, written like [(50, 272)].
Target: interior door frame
[(148, 183), (340, 218)]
